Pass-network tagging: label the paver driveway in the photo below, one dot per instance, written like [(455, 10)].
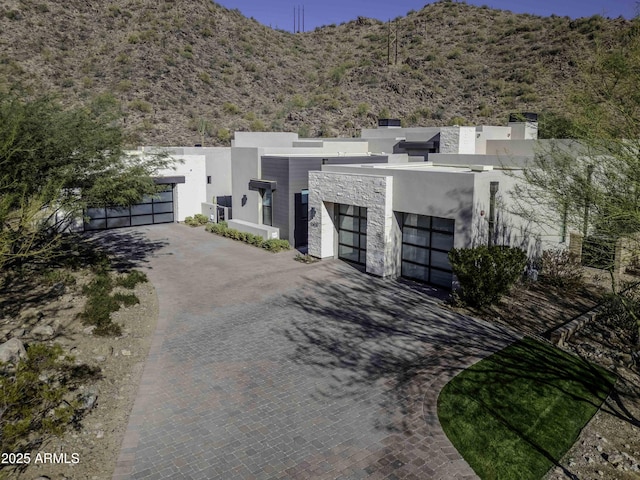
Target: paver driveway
[(263, 367)]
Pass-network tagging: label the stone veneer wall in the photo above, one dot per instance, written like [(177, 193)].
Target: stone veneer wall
[(375, 192)]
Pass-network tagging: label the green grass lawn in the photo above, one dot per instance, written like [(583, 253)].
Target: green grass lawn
[(515, 413)]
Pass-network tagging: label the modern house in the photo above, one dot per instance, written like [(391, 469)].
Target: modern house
[(270, 175), (403, 219), (395, 200)]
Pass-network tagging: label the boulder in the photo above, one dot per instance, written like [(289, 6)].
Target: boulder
[(43, 331), (12, 351), (30, 314), (58, 289), (89, 330), (17, 332), (615, 460)]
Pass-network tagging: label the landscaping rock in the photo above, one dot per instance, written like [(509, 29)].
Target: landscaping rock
[(89, 330), (89, 399), (58, 289), (43, 331), (17, 333), (615, 460), (12, 351)]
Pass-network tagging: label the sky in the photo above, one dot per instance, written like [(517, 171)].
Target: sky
[(280, 13)]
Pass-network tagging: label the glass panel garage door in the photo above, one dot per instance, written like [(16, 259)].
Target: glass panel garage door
[(426, 242), (151, 210), (352, 233)]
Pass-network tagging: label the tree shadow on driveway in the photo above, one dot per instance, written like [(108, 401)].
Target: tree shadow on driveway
[(366, 333), (129, 248)]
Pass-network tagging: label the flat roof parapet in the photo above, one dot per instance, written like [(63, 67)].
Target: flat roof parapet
[(481, 168)]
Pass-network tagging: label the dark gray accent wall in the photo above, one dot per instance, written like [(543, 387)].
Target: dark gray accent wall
[(292, 176), (277, 168), (299, 168)]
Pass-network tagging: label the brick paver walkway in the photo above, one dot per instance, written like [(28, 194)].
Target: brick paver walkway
[(263, 367)]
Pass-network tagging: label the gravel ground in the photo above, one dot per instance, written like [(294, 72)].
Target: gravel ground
[(121, 360)]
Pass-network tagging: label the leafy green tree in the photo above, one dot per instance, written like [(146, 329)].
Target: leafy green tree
[(591, 184), (56, 161)]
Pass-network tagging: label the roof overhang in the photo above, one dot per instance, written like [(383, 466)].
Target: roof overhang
[(259, 184), (167, 180)]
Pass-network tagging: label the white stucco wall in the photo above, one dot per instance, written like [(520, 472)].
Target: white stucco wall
[(524, 130), (264, 139), (484, 133), (188, 196), (510, 228), (245, 165), (375, 192), (218, 167)]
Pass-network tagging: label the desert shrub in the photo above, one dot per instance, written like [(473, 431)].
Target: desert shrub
[(454, 54), (223, 135), (304, 131), (621, 313), (126, 299), (337, 73), (36, 397), (560, 268), (231, 108), (141, 106), (204, 77), (306, 258), (101, 303), (257, 125), (58, 275), (276, 245), (363, 109), (486, 273), (197, 220), (131, 279)]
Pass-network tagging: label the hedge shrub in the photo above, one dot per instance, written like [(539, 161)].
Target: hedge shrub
[(272, 245), (486, 273), (197, 220)]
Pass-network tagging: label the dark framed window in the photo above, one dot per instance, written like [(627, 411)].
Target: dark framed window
[(426, 242), (150, 210), (267, 212), (209, 179), (304, 201), (352, 233)]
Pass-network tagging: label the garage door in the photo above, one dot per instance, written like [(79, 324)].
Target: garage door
[(352, 234), (151, 210), (426, 242)]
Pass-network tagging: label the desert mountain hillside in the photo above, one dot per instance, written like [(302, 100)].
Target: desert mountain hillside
[(179, 67)]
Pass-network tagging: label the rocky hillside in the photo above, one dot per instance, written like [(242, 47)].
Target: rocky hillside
[(187, 70)]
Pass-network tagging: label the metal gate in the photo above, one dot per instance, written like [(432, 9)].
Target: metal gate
[(352, 234), (426, 242), (151, 210)]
